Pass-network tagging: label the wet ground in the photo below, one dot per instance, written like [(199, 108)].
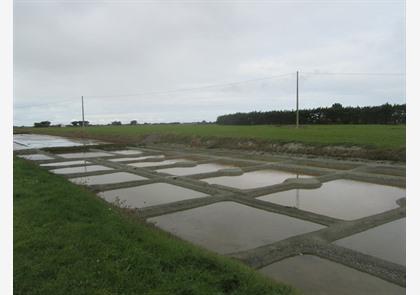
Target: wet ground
[(347, 217)]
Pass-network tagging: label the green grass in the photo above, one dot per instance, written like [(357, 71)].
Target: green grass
[(370, 136), (68, 241)]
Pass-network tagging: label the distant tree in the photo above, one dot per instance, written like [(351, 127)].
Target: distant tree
[(133, 122), (116, 123), (42, 124), (79, 123), (336, 114)]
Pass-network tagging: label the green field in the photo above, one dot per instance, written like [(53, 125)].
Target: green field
[(368, 136), (68, 241)]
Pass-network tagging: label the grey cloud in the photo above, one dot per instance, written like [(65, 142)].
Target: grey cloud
[(65, 50)]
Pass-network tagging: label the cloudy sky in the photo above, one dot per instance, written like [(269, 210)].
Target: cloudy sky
[(165, 61)]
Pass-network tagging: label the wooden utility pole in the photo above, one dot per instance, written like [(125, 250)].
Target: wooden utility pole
[(297, 99), (83, 113)]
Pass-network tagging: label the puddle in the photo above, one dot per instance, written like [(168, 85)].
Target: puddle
[(137, 158), (80, 169), (67, 163), (150, 195), (36, 157), (317, 276), (84, 155), (37, 141), (161, 163), (127, 152), (254, 179), (386, 241), (345, 199), (228, 227), (201, 168), (107, 178)]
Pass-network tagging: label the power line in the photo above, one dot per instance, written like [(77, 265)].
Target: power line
[(193, 88), (354, 74)]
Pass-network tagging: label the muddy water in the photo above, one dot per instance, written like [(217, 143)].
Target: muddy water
[(85, 155), (150, 195), (202, 168), (137, 158), (254, 179), (386, 241), (80, 169), (67, 163), (107, 178), (344, 199), (36, 157), (37, 141), (161, 163), (127, 152), (227, 227), (317, 276)]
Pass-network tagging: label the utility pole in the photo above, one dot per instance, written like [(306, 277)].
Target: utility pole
[(83, 113), (297, 99)]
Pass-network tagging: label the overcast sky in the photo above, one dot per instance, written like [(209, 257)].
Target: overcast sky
[(129, 58)]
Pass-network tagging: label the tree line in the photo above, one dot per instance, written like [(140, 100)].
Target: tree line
[(336, 114)]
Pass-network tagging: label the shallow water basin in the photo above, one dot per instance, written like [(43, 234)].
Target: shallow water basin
[(161, 163), (80, 169), (317, 276), (85, 155), (386, 241), (201, 168), (66, 163), (36, 157), (344, 199), (127, 152), (227, 227), (150, 195), (255, 179), (116, 177), (137, 158)]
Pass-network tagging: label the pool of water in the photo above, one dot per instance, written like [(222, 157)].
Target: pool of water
[(137, 158), (80, 169), (127, 152), (201, 168), (151, 195), (317, 276), (386, 241), (227, 227), (37, 141), (36, 157), (161, 163), (254, 179), (344, 199), (116, 177), (66, 163), (85, 155)]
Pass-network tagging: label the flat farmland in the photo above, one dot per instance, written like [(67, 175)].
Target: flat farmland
[(379, 142)]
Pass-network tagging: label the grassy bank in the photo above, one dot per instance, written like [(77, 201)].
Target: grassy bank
[(68, 241), (374, 142), (376, 136)]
